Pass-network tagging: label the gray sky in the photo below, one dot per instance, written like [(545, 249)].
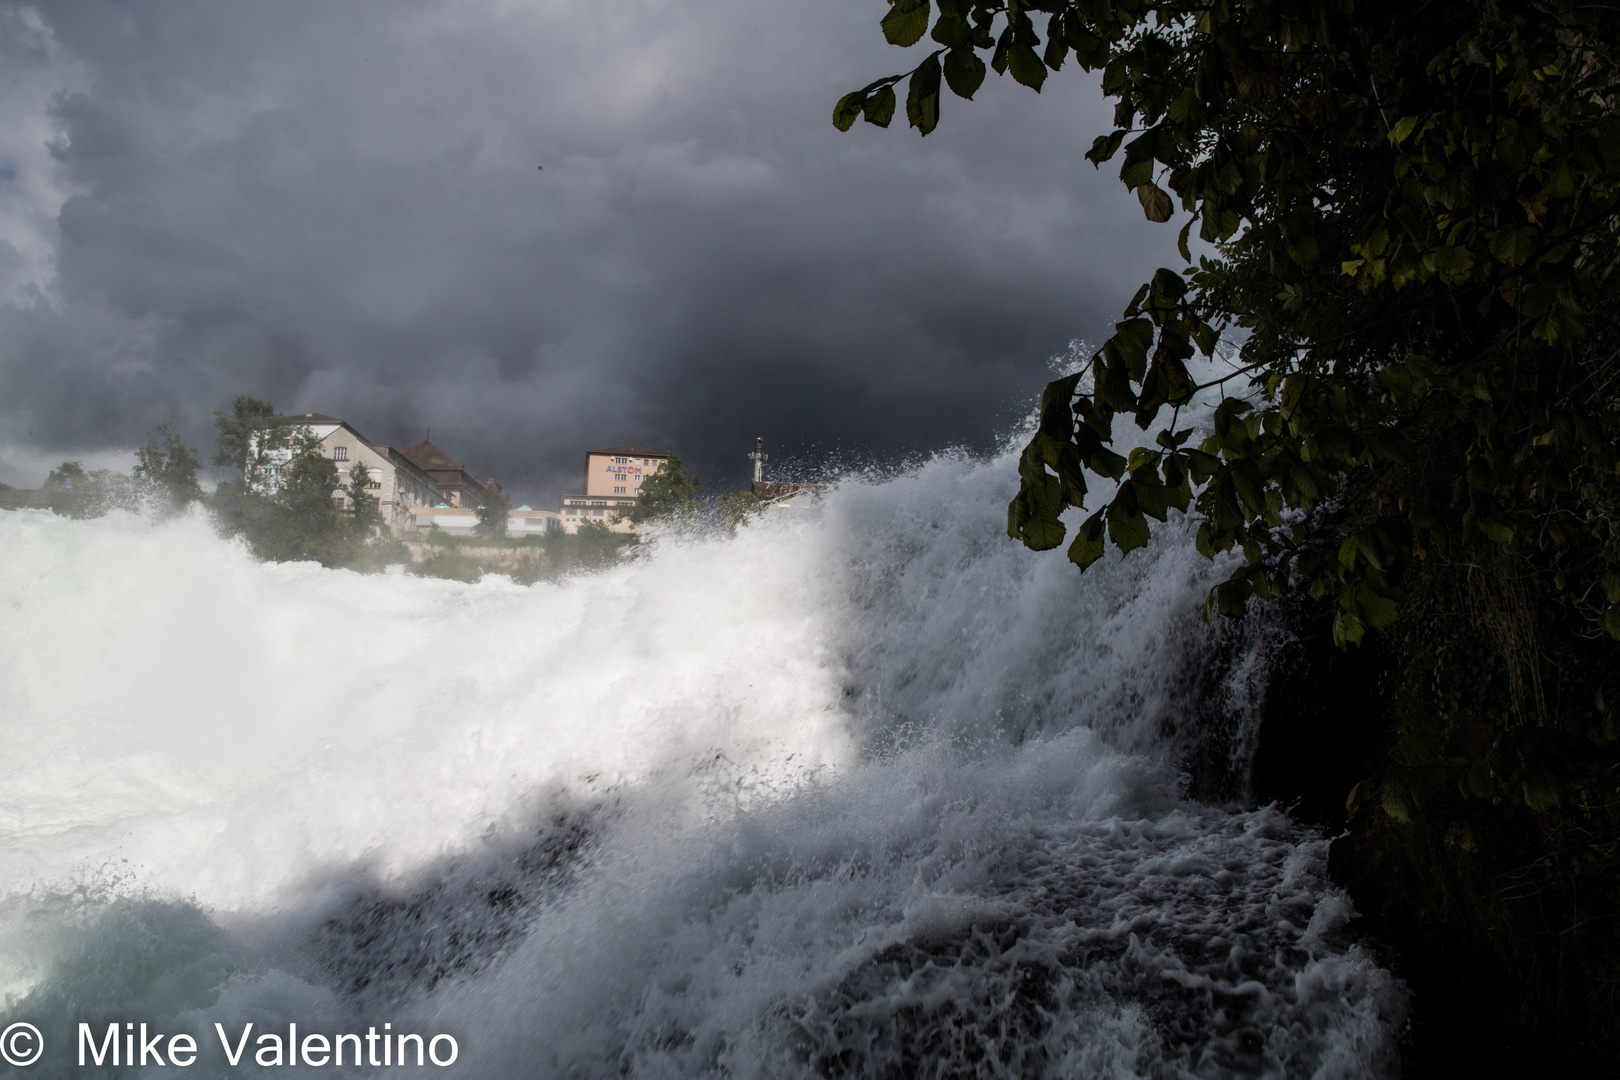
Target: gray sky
[(533, 227)]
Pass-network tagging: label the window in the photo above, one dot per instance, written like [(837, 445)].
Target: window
[(618, 491), (340, 453), (375, 484)]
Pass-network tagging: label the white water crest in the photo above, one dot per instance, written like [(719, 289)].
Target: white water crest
[(863, 790)]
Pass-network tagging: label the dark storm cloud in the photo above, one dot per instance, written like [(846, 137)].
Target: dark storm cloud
[(536, 228)]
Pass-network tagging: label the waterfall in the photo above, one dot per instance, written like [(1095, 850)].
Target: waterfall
[(862, 790)]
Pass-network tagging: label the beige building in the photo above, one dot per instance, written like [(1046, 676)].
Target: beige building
[(399, 487), (613, 479)]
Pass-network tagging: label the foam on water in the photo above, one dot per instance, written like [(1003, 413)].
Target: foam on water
[(864, 790)]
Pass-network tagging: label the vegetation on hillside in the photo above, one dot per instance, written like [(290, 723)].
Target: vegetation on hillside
[(1413, 210)]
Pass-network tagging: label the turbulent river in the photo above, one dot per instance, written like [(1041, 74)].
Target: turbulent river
[(865, 790)]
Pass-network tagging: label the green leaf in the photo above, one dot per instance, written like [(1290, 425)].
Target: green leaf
[(1057, 48), (1514, 246), (1135, 174), (1115, 74), (1032, 471), (1132, 339), (1055, 415), (964, 72), (951, 31), (1231, 595), (906, 22), (1400, 133), (847, 109), (1106, 463), (1104, 147), (1155, 202), (1347, 553), (1373, 610), (1128, 530), (1090, 50), (1560, 182), (1205, 337), (1026, 66), (1088, 543), (1168, 285), (1394, 797), (1112, 377), (1017, 515), (1347, 629), (922, 102), (1042, 532), (1249, 483), (1223, 510), (1452, 262), (1152, 498), (1496, 527), (998, 58), (1203, 465), (879, 108)]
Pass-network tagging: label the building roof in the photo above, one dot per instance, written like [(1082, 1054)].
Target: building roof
[(399, 460), (772, 490), (424, 455), (631, 451), (305, 419)]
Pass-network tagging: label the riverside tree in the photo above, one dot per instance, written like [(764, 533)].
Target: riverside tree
[(1412, 210), (167, 468), (280, 499), (73, 491), (364, 513), (253, 438), (493, 513), (670, 492)]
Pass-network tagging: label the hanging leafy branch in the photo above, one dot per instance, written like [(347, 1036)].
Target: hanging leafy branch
[(1414, 210)]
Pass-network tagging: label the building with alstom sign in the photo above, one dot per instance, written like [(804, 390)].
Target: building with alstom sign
[(613, 479)]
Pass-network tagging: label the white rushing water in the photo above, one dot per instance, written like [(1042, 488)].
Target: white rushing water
[(865, 790)]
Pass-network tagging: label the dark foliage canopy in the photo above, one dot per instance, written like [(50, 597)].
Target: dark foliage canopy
[(1413, 208)]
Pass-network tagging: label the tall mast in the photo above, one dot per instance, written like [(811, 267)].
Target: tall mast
[(758, 458)]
